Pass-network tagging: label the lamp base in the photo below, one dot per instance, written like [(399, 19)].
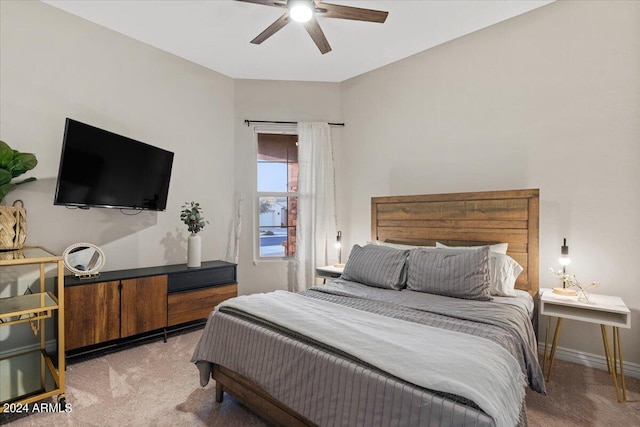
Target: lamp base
[(339, 265), (565, 291)]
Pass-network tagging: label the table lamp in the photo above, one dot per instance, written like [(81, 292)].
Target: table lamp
[(564, 261), (339, 248)]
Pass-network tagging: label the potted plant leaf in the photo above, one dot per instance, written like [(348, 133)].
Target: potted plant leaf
[(13, 219), (13, 164)]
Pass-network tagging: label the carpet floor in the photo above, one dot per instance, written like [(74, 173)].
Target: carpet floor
[(154, 384)]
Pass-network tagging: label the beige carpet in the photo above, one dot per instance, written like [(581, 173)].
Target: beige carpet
[(155, 385), (585, 397)]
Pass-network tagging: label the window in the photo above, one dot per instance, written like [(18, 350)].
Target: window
[(277, 195)]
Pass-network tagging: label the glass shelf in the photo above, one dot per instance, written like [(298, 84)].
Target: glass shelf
[(27, 304), (28, 255), (31, 375), (25, 375)]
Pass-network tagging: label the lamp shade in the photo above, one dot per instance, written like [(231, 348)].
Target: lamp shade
[(564, 254), (564, 261)]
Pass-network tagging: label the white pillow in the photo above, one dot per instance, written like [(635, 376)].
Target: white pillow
[(499, 248), (503, 269)]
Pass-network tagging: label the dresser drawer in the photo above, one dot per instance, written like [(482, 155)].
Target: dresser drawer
[(194, 305), (201, 278)]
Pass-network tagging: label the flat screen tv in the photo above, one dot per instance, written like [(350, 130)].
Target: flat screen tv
[(99, 168)]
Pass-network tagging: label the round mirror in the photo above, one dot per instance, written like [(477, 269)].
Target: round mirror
[(84, 259)]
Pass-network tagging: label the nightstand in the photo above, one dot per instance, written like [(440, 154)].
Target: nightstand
[(329, 272), (604, 310)]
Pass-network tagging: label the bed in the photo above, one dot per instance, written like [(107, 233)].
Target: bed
[(349, 353)]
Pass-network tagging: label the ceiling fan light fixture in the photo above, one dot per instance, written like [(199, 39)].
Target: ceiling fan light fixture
[(305, 11), (300, 10)]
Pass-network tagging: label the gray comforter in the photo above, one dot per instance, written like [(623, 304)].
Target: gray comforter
[(506, 324), (241, 340)]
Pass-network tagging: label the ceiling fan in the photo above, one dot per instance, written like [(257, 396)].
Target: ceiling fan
[(306, 11)]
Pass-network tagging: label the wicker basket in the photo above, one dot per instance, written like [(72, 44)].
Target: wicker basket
[(13, 226)]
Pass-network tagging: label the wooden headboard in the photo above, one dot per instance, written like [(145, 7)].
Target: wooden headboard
[(465, 219)]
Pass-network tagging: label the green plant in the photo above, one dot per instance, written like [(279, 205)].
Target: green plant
[(191, 215), (13, 164)]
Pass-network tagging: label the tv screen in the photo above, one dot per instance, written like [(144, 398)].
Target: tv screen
[(99, 168)]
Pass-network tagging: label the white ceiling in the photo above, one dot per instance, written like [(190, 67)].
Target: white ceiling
[(216, 33)]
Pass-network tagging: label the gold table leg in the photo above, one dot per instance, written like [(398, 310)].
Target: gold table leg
[(556, 335), (612, 362), (61, 346), (605, 340), (616, 337)]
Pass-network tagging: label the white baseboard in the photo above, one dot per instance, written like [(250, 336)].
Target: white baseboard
[(592, 360), (50, 346)]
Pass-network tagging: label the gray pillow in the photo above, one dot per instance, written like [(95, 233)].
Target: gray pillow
[(451, 273), (379, 266)]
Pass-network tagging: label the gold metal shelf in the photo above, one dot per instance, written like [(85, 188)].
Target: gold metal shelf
[(39, 303), (30, 377), (28, 255)]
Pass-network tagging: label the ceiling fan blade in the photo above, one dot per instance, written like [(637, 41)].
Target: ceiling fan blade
[(329, 10), (272, 29), (314, 30), (276, 3)]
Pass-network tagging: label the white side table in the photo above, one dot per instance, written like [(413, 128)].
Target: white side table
[(329, 271), (604, 310)]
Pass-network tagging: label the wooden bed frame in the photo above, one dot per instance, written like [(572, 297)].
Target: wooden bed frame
[(456, 219)]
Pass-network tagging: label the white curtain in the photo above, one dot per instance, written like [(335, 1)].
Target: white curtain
[(316, 219), (233, 243)]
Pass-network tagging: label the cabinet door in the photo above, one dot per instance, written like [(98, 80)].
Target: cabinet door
[(92, 314), (143, 305)]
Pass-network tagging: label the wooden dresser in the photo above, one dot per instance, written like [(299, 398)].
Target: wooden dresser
[(121, 305)]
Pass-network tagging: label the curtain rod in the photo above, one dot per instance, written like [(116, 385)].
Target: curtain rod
[(248, 122)]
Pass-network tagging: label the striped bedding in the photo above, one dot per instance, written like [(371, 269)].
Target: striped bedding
[(331, 387)]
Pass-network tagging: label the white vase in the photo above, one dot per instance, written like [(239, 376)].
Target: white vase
[(194, 251)]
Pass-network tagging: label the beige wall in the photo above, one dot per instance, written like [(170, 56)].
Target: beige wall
[(548, 100), (278, 101), (55, 65)]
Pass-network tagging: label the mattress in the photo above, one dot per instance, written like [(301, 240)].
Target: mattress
[(330, 386)]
